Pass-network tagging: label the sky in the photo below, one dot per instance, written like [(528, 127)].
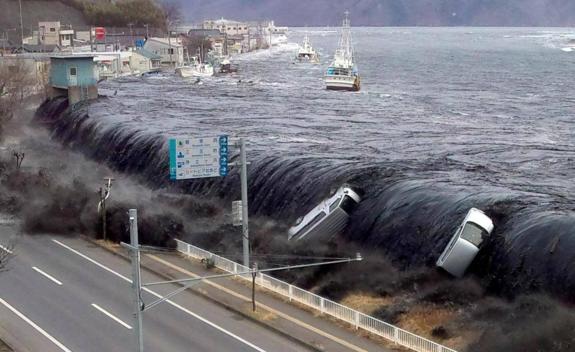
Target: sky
[(311, 13)]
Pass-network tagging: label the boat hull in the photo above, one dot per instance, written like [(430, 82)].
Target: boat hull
[(314, 59), (345, 83)]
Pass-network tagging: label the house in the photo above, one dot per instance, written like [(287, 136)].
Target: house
[(66, 37), (170, 50), (227, 26), (144, 61), (74, 76), (49, 33)]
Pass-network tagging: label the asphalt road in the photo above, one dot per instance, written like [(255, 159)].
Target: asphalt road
[(64, 294)]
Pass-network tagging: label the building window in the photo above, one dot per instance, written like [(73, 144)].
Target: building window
[(52, 29), (171, 51), (72, 71)]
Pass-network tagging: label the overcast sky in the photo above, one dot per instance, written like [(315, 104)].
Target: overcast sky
[(390, 12)]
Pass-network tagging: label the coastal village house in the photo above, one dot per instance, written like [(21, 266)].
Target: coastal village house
[(227, 27), (170, 50), (144, 61)]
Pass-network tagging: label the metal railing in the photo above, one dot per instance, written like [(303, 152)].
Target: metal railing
[(324, 306)]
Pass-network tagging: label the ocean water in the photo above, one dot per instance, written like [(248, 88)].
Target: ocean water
[(447, 119)]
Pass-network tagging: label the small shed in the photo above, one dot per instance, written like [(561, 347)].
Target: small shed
[(75, 76)]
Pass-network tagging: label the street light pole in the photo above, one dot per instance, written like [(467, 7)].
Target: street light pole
[(136, 283), (244, 186)]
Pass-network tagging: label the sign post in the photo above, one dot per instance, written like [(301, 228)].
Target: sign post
[(198, 157), (201, 157)]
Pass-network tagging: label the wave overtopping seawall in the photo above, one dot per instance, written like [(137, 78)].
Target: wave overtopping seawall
[(408, 218)]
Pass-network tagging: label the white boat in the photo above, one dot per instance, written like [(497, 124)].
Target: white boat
[(342, 74), (306, 52), (197, 69)]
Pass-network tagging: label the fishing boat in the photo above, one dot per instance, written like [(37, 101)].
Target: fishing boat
[(342, 74), (306, 52), (196, 67), (227, 67)]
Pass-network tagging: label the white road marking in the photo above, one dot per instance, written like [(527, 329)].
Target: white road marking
[(172, 303), (50, 277), (6, 249), (112, 316), (39, 329)]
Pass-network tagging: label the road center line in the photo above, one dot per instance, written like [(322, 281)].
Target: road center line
[(31, 323), (268, 308), (112, 316), (172, 303), (50, 277)]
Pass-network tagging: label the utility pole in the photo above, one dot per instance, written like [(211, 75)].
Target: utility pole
[(21, 24), (136, 283), (104, 195), (147, 33), (244, 187), (254, 275), (131, 34)]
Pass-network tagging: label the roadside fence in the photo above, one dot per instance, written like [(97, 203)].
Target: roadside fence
[(324, 306)]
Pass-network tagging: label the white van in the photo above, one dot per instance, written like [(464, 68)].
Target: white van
[(328, 218), (464, 244)]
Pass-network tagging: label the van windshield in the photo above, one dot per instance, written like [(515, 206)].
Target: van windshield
[(473, 233), (348, 204)]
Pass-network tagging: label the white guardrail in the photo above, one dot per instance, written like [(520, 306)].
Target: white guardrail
[(324, 306)]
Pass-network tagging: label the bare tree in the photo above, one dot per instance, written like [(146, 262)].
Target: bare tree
[(172, 13), (19, 156), (16, 82), (6, 252)]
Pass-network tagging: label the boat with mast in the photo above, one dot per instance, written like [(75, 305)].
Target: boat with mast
[(197, 68), (306, 52), (342, 74)]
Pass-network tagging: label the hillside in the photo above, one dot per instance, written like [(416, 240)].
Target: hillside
[(78, 13), (34, 11), (392, 12)]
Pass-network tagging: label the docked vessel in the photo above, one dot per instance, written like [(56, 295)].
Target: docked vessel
[(342, 74), (306, 52)]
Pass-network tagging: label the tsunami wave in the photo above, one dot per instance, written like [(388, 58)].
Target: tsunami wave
[(408, 218)]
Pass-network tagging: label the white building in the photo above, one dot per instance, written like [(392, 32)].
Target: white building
[(49, 33), (227, 27), (170, 50), (66, 37)]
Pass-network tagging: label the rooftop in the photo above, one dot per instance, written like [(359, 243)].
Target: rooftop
[(148, 54), (172, 41)]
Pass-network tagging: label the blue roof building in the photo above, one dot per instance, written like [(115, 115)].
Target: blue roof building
[(73, 70), (76, 75)]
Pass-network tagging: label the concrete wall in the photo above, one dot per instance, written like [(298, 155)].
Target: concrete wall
[(78, 94)]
